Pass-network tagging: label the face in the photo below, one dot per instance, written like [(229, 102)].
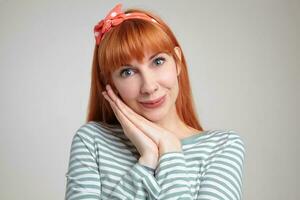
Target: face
[(154, 78)]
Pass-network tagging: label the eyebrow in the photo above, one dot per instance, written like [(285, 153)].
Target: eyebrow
[(154, 55), (124, 66)]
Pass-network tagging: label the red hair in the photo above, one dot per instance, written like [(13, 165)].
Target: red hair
[(128, 41)]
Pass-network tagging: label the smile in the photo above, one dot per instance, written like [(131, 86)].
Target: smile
[(155, 104)]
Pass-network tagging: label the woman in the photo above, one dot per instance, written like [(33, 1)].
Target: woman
[(142, 139)]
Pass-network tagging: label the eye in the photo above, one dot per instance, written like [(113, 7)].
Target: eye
[(126, 72), (159, 60)]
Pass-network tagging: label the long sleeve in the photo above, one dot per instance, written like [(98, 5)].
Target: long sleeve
[(222, 176), (138, 183), (172, 177), (84, 177), (220, 171)]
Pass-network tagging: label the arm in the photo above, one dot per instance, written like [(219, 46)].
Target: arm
[(172, 177), (222, 177), (83, 176), (137, 183)]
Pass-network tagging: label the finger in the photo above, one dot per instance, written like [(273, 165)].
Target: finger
[(122, 105), (125, 122), (112, 105), (149, 128), (121, 117)]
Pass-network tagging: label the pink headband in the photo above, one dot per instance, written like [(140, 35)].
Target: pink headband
[(114, 18)]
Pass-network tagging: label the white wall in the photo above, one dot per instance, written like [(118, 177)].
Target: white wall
[(244, 62)]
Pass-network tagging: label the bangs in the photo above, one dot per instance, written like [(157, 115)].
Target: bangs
[(131, 40)]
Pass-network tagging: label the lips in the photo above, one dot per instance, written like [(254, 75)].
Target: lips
[(154, 103)]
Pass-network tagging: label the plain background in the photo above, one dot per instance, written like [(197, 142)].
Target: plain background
[(244, 64)]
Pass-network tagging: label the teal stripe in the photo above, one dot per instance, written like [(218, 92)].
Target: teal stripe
[(173, 172), (74, 174), (177, 195), (86, 160), (103, 146), (222, 177), (176, 185), (131, 191), (206, 185), (170, 179), (211, 194), (74, 155), (232, 167), (168, 166), (84, 196), (232, 190), (113, 157), (82, 167), (228, 172)]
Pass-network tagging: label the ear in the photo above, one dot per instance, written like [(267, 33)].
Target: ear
[(178, 54)]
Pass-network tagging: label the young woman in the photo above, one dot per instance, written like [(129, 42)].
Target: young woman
[(142, 139)]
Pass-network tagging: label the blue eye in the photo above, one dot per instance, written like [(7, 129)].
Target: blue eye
[(124, 73), (128, 71), (159, 60)]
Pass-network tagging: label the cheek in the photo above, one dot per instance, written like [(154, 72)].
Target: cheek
[(168, 78), (127, 91)]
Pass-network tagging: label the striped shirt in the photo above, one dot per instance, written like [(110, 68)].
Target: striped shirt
[(103, 164)]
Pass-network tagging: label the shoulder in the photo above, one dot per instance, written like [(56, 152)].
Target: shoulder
[(227, 140), (219, 140), (223, 165), (227, 136), (94, 130)]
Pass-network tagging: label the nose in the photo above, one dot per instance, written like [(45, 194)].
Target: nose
[(149, 83)]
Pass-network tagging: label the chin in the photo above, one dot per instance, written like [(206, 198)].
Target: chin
[(153, 115)]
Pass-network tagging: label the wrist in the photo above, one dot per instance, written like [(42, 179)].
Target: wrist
[(148, 161), (170, 146)]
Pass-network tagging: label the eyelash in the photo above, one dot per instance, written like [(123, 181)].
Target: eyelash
[(156, 59)]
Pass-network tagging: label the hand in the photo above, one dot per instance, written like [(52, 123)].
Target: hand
[(136, 125), (145, 146)]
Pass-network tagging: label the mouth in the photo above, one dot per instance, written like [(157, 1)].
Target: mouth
[(154, 103)]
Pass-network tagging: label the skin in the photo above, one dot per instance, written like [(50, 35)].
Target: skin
[(153, 131)]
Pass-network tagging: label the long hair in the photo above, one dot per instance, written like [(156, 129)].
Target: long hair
[(129, 41)]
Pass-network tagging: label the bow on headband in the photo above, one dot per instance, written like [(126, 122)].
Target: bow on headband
[(114, 18)]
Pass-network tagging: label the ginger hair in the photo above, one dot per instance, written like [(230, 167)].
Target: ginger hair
[(125, 42)]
